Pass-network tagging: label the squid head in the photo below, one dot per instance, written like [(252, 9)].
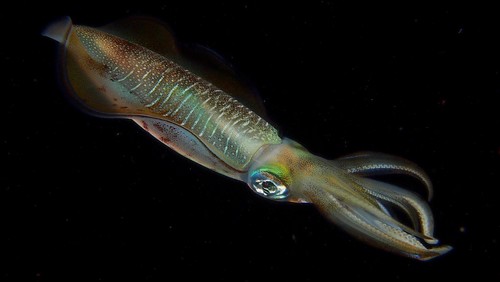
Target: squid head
[(342, 193)]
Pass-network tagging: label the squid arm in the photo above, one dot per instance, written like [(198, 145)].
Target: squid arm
[(372, 164)]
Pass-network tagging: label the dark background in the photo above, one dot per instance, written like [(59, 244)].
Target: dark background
[(89, 199)]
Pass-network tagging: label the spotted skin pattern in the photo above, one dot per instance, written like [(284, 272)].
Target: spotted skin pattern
[(170, 92)]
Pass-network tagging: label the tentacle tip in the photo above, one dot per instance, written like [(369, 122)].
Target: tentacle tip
[(434, 252), (431, 240), (430, 195)]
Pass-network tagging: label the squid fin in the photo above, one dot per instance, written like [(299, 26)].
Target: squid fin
[(157, 36), (148, 32), (98, 95), (59, 30), (213, 67), (82, 76)]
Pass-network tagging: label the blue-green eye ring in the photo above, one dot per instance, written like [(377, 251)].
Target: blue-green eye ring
[(268, 185)]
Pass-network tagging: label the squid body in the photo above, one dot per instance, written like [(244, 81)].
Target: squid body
[(133, 69)]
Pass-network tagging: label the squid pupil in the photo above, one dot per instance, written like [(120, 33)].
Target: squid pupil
[(268, 187)]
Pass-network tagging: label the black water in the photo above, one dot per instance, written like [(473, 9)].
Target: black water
[(89, 199)]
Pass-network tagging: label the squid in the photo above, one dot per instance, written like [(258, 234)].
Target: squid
[(134, 69)]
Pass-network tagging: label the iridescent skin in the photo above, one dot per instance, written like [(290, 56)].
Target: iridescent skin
[(113, 76)]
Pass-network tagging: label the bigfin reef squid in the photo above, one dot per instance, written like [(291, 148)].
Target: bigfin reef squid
[(134, 69)]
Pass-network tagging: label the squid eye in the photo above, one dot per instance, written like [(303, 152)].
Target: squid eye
[(268, 185)]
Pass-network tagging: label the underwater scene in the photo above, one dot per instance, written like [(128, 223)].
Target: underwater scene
[(242, 141)]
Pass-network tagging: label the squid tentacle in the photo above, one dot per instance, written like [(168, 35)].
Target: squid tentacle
[(373, 164), (417, 209), (354, 194), (369, 222)]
